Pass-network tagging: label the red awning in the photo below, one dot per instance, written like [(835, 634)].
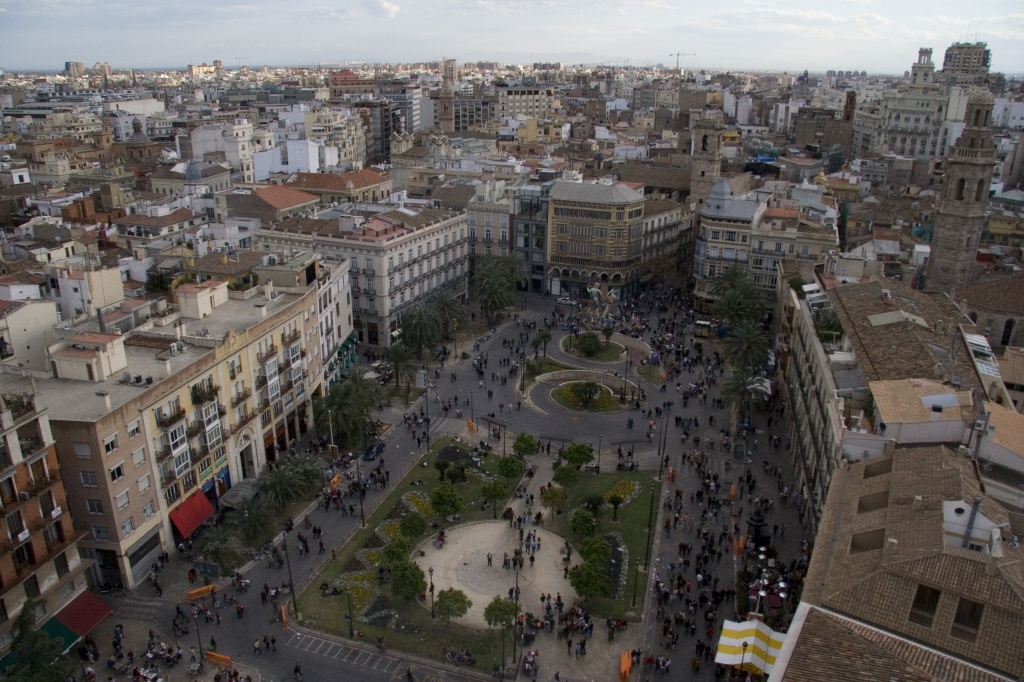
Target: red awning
[(191, 513), (83, 614)]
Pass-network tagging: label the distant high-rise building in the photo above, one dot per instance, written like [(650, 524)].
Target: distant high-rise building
[(964, 200), (74, 69), (966, 63)]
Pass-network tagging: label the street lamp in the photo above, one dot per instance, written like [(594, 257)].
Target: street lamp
[(650, 530), (291, 581), (362, 494), (351, 628), (431, 572), (636, 580), (472, 418), (625, 375), (330, 423), (744, 656), (662, 447), (599, 437), (199, 637), (515, 625)]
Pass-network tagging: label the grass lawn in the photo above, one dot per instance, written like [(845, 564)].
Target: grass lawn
[(612, 352), (631, 526), (651, 373), (605, 401), (534, 368), (405, 626)]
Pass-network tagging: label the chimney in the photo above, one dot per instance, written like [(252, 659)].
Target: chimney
[(167, 367), (224, 258), (179, 331), (970, 522), (106, 399), (263, 310), (268, 290)]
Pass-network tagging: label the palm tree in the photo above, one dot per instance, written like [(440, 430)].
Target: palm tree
[(535, 344), (252, 518), (448, 308), (348, 406), (398, 357), (421, 327), (746, 347), (278, 487), (738, 298), (743, 391), (608, 331), (494, 282), (544, 335)]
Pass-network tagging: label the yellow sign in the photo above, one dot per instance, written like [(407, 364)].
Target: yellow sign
[(471, 426), (200, 593), (284, 617), (335, 481)]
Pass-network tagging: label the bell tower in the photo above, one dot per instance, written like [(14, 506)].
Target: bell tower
[(706, 130), (961, 211)]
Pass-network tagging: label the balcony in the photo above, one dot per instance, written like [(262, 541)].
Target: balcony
[(261, 380), (202, 394), (241, 397), (291, 337), (165, 421), (245, 419), (194, 429), (167, 479), (285, 364), (268, 354), (37, 486)]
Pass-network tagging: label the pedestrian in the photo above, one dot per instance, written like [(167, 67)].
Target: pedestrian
[(217, 616), (273, 643), (489, 559), (192, 656), (568, 646), (256, 648), (263, 598), (266, 642), (322, 549)]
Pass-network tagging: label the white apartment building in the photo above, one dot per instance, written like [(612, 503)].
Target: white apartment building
[(396, 259), (233, 141)]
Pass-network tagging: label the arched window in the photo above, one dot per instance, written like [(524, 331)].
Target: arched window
[(979, 194), (961, 185), (704, 144), (977, 118), (974, 317), (1007, 333)]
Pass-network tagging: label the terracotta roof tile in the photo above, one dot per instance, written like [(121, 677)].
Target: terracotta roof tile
[(281, 197), (337, 182)]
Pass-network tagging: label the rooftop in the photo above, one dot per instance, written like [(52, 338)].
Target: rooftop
[(337, 182), (281, 197), (1003, 295), (231, 264), (595, 193), (910, 401), (179, 215)]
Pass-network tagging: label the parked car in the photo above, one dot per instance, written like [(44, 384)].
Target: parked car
[(372, 452), (565, 300)]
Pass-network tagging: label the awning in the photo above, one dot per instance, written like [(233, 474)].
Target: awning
[(83, 614), (240, 492), (191, 513)]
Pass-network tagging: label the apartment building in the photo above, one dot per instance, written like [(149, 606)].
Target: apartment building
[(530, 230), (231, 142), (408, 98), (39, 553), (396, 258), (530, 102), (488, 219), (595, 238), (156, 424), (361, 186), (917, 576), (341, 128), (138, 231)]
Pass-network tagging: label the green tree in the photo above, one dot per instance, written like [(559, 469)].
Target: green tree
[(38, 656), (442, 466), (449, 309), (742, 392), (554, 498), (509, 468), (566, 475), (396, 551), (501, 613), (494, 282), (252, 518), (588, 344), (350, 406), (407, 580), (607, 333), (535, 344), (590, 580), (583, 523), (525, 445), (494, 492), (578, 454), (746, 347), (400, 360), (615, 501), (585, 392), (596, 550), (412, 525), (544, 336), (737, 297), (421, 327), (278, 487), (446, 500), (594, 503), (452, 602), (456, 473)]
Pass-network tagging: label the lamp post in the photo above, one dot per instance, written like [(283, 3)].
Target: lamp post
[(431, 572), (426, 402), (472, 418), (650, 530), (599, 437), (291, 581), (504, 438), (515, 624), (625, 375), (662, 448), (351, 628), (743, 658), (330, 423), (636, 580), (199, 637)]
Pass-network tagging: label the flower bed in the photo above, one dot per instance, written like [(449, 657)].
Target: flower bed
[(627, 490), (419, 503)]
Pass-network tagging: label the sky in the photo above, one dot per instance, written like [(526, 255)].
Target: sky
[(877, 36)]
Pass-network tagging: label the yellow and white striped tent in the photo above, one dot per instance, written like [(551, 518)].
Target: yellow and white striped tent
[(763, 646)]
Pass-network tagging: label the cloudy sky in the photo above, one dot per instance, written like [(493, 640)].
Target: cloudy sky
[(879, 36)]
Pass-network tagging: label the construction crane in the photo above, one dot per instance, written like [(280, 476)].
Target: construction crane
[(677, 55)]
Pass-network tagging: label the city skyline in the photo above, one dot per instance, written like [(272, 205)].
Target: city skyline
[(866, 35)]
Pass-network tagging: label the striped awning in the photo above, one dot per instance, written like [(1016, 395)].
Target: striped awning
[(763, 646)]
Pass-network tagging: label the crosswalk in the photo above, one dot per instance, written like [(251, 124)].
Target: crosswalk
[(136, 608)]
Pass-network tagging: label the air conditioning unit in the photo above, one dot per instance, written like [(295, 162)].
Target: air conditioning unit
[(24, 496)]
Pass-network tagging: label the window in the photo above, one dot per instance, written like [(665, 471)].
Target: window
[(967, 620), (94, 506), (144, 483), (110, 443), (139, 456), (121, 500), (82, 450), (133, 429), (926, 602), (88, 478), (100, 533), (128, 527), (868, 541), (116, 472), (148, 510)]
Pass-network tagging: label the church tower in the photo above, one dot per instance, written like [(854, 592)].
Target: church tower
[(706, 130), (961, 210)]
